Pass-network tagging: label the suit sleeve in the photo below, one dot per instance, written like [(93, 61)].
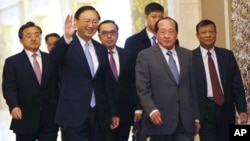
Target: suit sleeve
[(143, 84), (9, 85), (237, 85)]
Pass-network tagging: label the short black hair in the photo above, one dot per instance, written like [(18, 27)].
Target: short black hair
[(27, 25), (51, 35), (85, 8), (156, 24), (108, 21), (204, 23), (152, 7)]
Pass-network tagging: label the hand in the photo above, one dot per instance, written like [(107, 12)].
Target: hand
[(69, 27), (243, 118), (198, 127), (115, 122), (156, 118), (137, 117), (16, 113)]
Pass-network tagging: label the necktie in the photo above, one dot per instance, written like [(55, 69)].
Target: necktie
[(217, 92), (112, 65), (154, 40), (173, 66), (91, 66), (37, 68)]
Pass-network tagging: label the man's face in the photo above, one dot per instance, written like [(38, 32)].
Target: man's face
[(166, 34), (206, 36), (87, 24), (152, 18), (108, 35), (31, 39), (51, 42)]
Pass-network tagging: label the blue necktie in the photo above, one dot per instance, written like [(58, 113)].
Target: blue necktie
[(91, 66), (154, 40), (173, 66)]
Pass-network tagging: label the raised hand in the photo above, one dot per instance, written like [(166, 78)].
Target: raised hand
[(69, 27)]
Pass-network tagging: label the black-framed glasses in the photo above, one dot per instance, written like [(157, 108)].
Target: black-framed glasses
[(111, 33)]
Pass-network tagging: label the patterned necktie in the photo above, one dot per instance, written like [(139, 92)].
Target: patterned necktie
[(217, 92), (113, 65), (37, 69), (154, 40), (91, 66), (173, 67)]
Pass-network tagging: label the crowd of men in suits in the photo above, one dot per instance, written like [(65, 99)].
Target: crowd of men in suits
[(96, 91)]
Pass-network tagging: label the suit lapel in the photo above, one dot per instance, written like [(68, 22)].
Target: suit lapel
[(45, 66), (27, 65), (80, 55), (221, 64), (198, 63), (161, 59), (122, 61)]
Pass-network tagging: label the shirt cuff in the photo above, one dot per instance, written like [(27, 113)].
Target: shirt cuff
[(138, 111), (67, 40), (153, 112)]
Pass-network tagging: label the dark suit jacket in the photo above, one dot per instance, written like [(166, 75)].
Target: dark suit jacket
[(76, 83), (127, 99), (137, 42), (230, 79), (21, 89), (157, 89)]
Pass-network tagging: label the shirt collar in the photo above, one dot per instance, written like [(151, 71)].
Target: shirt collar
[(29, 53), (204, 51), (150, 34), (164, 50), (114, 50)]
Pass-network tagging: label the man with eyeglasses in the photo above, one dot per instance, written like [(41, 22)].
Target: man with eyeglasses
[(28, 89), (121, 66), (86, 91)]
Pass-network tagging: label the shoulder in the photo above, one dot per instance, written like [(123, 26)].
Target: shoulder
[(140, 35), (183, 50), (17, 56), (223, 51)]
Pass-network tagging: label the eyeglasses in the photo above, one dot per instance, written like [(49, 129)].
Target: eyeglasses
[(88, 22), (34, 35), (107, 33)]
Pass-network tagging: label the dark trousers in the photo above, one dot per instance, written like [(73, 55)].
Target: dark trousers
[(215, 126), (121, 133), (39, 136), (180, 134), (89, 131), (137, 133)]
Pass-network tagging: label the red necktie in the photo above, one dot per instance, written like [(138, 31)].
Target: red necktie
[(37, 68), (217, 92)]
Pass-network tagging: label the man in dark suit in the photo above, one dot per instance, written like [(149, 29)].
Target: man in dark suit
[(142, 40), (216, 118), (85, 79), (50, 40), (28, 89), (126, 97), (165, 88)]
